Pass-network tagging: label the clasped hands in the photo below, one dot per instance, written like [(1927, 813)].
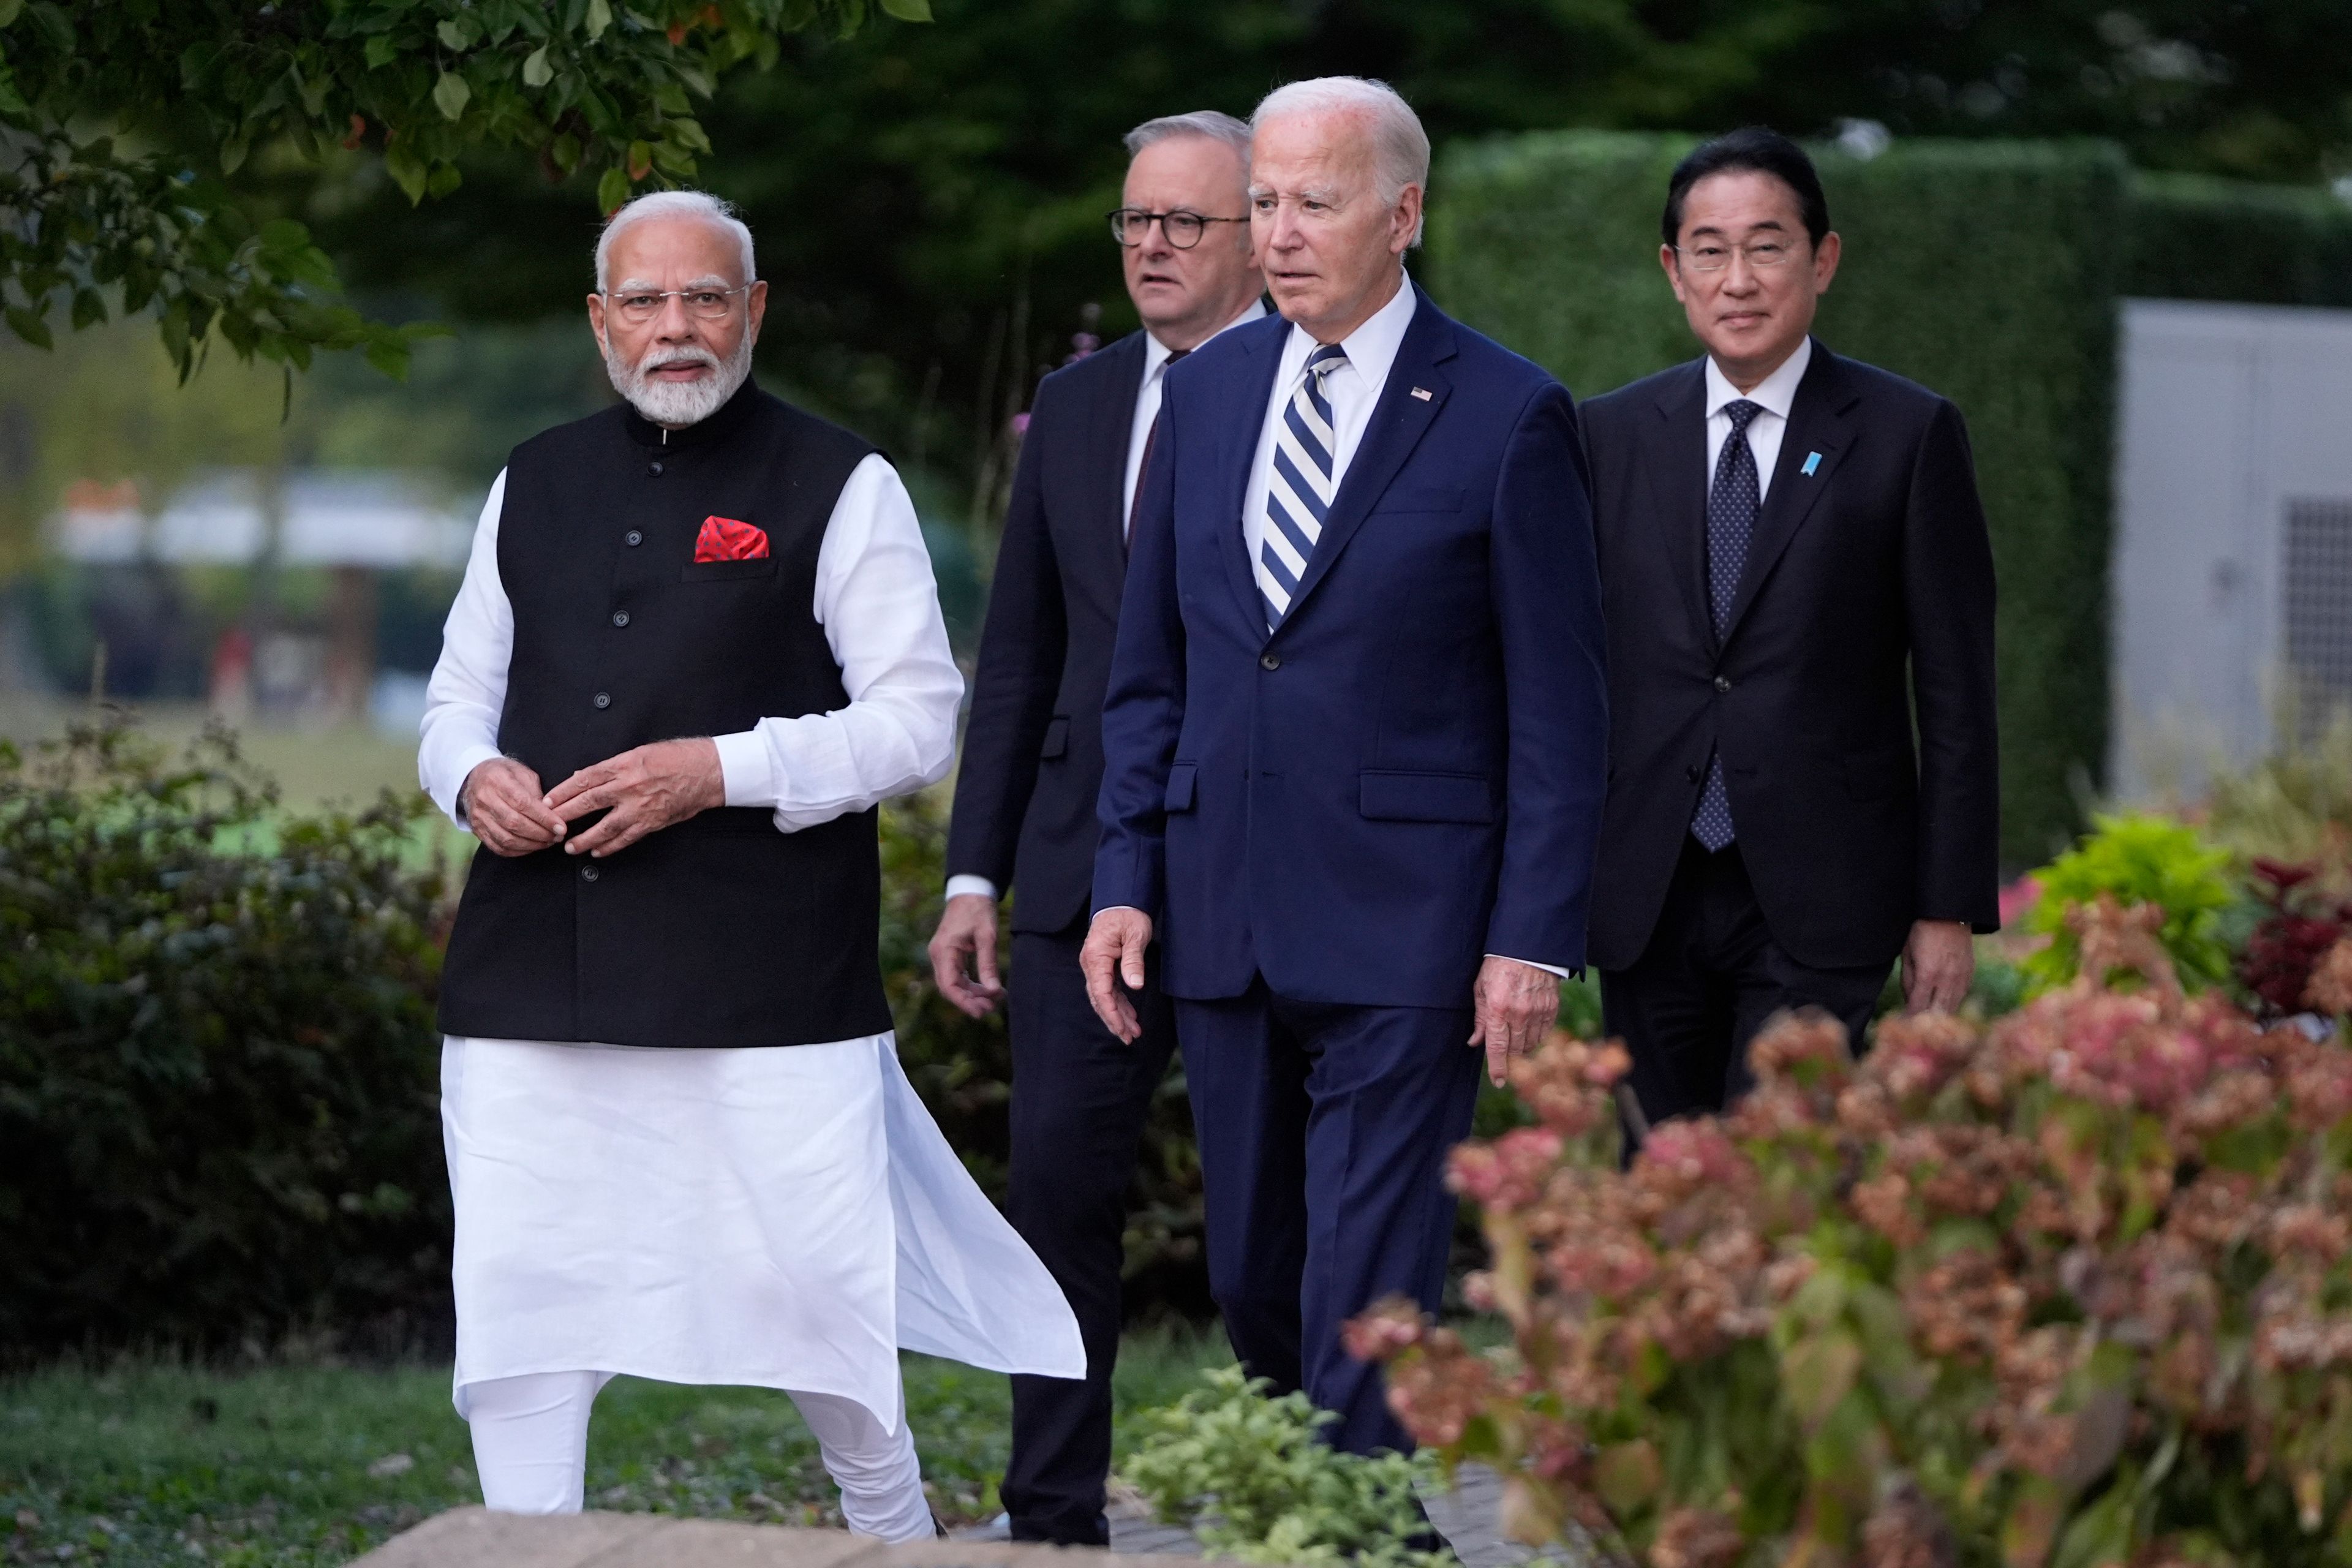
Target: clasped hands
[(1513, 1005), (641, 791)]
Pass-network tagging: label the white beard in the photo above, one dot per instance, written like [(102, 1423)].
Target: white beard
[(678, 403)]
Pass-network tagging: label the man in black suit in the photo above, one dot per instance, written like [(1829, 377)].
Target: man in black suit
[(1795, 570), (1025, 803)]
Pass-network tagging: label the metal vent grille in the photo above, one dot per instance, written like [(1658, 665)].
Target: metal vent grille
[(2318, 609)]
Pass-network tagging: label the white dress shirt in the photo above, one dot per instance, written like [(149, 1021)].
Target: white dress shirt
[(1775, 395), (1147, 406), (1353, 389), (1139, 441), (880, 609)]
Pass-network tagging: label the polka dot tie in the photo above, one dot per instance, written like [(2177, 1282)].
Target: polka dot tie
[(1731, 508)]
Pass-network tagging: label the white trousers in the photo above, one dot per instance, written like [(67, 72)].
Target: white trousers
[(530, 1446)]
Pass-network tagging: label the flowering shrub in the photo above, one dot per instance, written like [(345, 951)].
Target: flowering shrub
[(2135, 860), (2301, 921), (2071, 1291)]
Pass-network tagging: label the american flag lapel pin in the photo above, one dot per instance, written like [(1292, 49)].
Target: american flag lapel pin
[(1422, 393)]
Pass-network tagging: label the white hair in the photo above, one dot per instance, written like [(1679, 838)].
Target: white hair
[(1212, 124), (673, 204), (1400, 146)]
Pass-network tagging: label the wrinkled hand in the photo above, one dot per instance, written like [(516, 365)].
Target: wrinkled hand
[(1938, 963), (1114, 951), (500, 802), (643, 791), (966, 937), (1516, 1004)]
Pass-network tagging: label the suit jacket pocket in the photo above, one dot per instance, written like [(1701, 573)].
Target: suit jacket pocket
[(1057, 738), (1179, 786), (1874, 775), (1425, 797), (727, 571)]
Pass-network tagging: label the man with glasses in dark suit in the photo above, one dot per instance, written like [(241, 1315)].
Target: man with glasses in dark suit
[(1796, 574), (1025, 803)]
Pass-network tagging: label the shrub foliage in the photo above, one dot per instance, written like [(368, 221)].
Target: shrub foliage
[(2071, 1290), (217, 1061)]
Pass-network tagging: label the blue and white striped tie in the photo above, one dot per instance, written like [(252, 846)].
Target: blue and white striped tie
[(1299, 492)]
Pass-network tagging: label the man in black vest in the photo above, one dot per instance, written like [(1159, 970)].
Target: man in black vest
[(697, 641), (1795, 568), (1025, 805)]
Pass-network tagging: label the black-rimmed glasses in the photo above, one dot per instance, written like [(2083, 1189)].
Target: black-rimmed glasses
[(1133, 225)]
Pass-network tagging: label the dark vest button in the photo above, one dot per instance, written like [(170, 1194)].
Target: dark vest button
[(653, 467), (1723, 683), (604, 700), (620, 617), (1269, 661), (588, 873), (632, 538), (1691, 772)]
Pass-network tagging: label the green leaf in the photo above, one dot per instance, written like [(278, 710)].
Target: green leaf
[(283, 234), (451, 35), (600, 16), (232, 153), (536, 71), (380, 51), (89, 308), (450, 95), (907, 10), (390, 355), (612, 190), (406, 169), (10, 10), (29, 327), (444, 179)]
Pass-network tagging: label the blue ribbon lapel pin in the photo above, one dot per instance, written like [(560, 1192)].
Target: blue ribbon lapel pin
[(1813, 461)]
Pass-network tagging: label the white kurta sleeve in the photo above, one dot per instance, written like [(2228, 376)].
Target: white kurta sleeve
[(880, 609), (468, 689)]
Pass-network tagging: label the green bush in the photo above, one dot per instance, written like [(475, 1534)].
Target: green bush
[(1256, 1484), (217, 1060), (2197, 238), (1987, 271), (2135, 860)]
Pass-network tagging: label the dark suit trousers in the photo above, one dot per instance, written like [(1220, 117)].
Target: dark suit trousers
[(1324, 1130), (1703, 988), (1079, 1102)]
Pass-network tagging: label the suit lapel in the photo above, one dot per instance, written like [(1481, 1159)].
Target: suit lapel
[(1238, 430), (1820, 421), (1114, 427), (1398, 422), (1677, 478)]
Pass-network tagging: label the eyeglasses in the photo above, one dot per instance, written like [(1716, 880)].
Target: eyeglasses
[(705, 304), (1762, 255), (1133, 225)]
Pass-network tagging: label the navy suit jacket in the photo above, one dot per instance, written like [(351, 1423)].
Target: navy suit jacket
[(1409, 773)]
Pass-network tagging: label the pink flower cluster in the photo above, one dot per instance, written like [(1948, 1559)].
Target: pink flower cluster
[(1954, 1288)]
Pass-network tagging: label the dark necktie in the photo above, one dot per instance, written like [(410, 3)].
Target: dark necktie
[(1731, 507), (1135, 507)]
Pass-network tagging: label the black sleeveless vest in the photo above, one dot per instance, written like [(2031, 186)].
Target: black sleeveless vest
[(719, 930)]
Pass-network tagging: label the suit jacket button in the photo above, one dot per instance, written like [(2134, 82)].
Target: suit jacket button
[(1269, 661), (632, 538), (604, 700), (620, 617), (653, 467), (588, 873), (1723, 683), (1691, 772)]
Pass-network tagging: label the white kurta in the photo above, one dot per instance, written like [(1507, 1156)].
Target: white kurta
[(787, 1218)]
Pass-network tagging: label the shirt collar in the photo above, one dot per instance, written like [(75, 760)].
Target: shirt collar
[(1776, 394), (1155, 353), (1372, 348)]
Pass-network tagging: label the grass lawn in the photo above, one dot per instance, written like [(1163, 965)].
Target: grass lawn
[(314, 1464)]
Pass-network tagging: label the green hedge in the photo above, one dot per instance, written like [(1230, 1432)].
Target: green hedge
[(1985, 270), (2195, 237)]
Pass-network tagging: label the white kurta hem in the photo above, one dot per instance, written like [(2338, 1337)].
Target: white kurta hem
[(788, 1217)]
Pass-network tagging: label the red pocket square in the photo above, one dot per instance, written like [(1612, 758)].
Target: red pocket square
[(724, 539)]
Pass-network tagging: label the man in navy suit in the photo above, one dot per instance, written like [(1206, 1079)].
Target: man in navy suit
[(1353, 745), (1024, 800)]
